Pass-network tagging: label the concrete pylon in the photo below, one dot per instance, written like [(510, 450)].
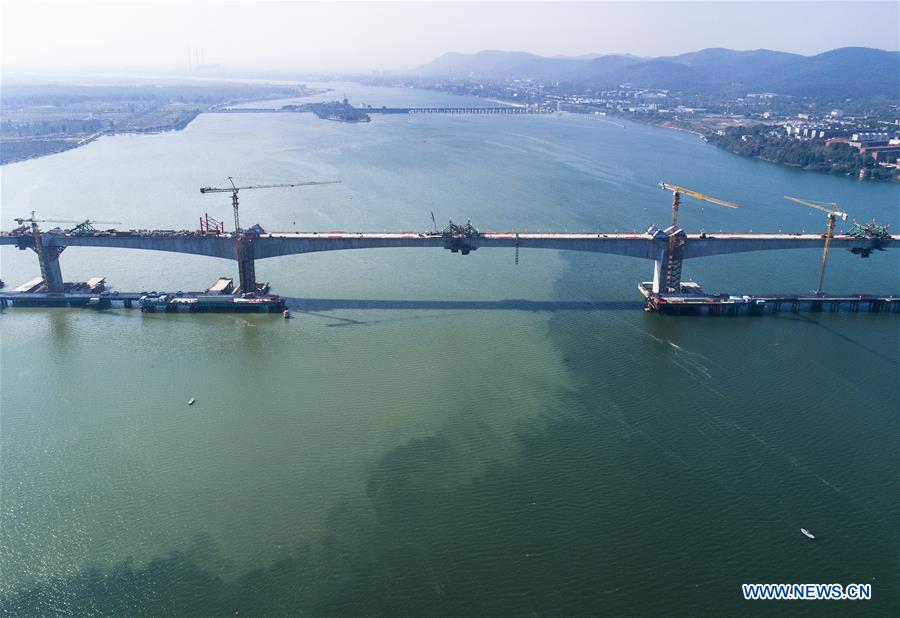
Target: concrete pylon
[(48, 257), (674, 258), (657, 273), (246, 265), (667, 267)]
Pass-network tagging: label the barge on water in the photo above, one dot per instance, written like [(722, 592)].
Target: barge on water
[(185, 301), (220, 297), (229, 303), (692, 300)]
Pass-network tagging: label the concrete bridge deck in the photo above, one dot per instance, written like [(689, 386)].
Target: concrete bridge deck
[(633, 244), (666, 248)]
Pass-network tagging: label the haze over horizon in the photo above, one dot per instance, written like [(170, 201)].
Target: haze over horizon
[(349, 36)]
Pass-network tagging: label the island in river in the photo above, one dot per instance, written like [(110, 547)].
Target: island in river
[(340, 111)]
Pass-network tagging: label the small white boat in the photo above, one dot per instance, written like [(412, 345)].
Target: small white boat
[(807, 533), (191, 401)]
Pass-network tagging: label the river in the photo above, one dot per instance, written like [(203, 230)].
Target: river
[(437, 434)]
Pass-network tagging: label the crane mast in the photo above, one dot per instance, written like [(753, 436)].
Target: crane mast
[(832, 212), (668, 272)]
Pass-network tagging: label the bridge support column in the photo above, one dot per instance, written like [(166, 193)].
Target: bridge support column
[(673, 261), (667, 267), (48, 258), (657, 275), (246, 265)]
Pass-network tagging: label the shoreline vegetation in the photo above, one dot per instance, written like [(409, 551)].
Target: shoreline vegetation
[(768, 143)]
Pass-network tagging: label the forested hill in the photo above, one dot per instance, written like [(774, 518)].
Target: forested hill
[(858, 71)]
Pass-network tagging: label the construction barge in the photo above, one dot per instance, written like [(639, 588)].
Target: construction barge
[(220, 297), (693, 300), (227, 303)]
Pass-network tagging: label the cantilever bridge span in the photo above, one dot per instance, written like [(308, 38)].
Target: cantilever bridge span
[(665, 248)]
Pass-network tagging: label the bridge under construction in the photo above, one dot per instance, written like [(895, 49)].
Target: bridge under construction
[(665, 248)]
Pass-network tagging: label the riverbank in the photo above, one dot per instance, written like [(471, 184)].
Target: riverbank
[(45, 147), (756, 141), (769, 143), (45, 119)]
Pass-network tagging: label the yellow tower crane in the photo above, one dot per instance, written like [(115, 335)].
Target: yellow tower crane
[(677, 192), (233, 189), (243, 250), (831, 209)]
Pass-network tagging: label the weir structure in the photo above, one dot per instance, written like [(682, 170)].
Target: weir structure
[(667, 248), (504, 110)]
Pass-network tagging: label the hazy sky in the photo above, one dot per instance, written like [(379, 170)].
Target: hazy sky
[(378, 35)]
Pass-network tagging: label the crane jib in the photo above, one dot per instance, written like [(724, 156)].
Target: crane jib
[(275, 186)]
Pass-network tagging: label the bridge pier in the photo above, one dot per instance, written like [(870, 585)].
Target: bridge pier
[(48, 259), (246, 265), (50, 269), (673, 260), (658, 274), (667, 266)]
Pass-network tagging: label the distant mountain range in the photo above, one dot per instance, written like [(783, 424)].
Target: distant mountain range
[(848, 71)]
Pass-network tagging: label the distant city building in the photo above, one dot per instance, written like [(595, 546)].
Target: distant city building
[(800, 131), (870, 138), (881, 153)]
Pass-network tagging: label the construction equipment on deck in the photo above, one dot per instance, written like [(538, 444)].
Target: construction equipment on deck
[(456, 237), (677, 192), (210, 226), (87, 226), (871, 230), (831, 209), (242, 243)]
